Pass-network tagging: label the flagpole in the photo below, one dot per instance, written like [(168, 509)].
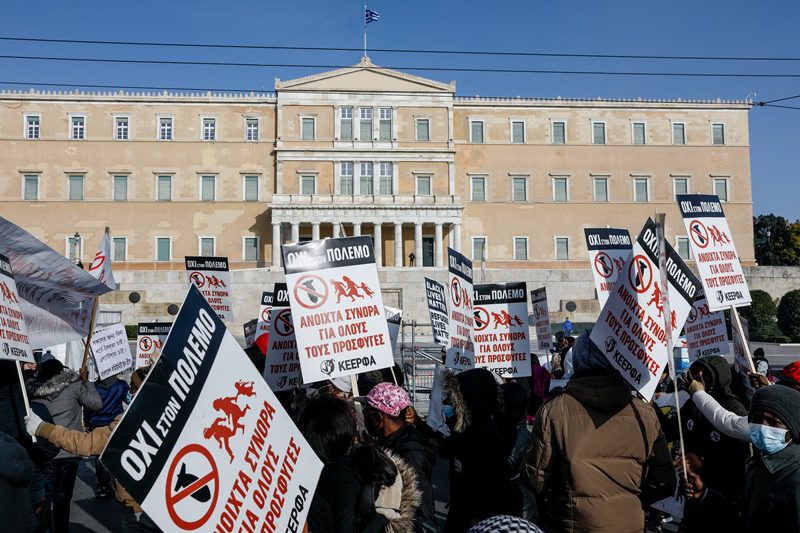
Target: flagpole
[(365, 30), (24, 393), (89, 336)]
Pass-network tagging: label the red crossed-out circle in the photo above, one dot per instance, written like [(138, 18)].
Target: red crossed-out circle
[(692, 315), (455, 292), (198, 279), (537, 312), (265, 314), (97, 262), (698, 233), (481, 317), (303, 293), (283, 323), (640, 274), (603, 265), (173, 498), (146, 344)]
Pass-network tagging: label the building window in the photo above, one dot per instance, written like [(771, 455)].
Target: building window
[(208, 188), (423, 129), (78, 128), (639, 133), (517, 132), (346, 178), (209, 129), (365, 124), (251, 188), (424, 186), (521, 248), (365, 175), (721, 188), (164, 188), (308, 184), (600, 189), (74, 248), (476, 131), (683, 248), (121, 128), (641, 190), (30, 187), (478, 249), (307, 128), (560, 189), (32, 126), (163, 249), (76, 187), (559, 132), (385, 124), (718, 134), (678, 133), (119, 249), (346, 123), (478, 188), (562, 248), (598, 133), (385, 177), (251, 129), (165, 129), (680, 185), (206, 246), (519, 189), (251, 248), (120, 188)]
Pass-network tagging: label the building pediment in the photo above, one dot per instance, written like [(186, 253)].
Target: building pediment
[(365, 77)]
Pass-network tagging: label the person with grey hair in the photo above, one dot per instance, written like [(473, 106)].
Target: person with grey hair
[(598, 455)]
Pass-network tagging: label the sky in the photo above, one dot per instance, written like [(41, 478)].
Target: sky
[(731, 28)]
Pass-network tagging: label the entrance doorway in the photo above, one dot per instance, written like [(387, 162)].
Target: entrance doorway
[(427, 251)]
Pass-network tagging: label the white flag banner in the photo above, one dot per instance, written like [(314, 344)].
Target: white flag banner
[(55, 295), (14, 342), (100, 268), (501, 329), (609, 251), (111, 351)]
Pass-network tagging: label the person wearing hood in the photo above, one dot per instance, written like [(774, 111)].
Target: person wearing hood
[(64, 392), (479, 471), (598, 455)]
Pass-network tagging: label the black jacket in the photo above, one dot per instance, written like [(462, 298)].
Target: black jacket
[(419, 453), (772, 492)]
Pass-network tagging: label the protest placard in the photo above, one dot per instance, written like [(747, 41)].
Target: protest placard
[(205, 445), (282, 367), (150, 340), (541, 318), (211, 276), (714, 251), (630, 329), (393, 318), (461, 349), (705, 330), (262, 326), (14, 343), (437, 310), (110, 350), (337, 307), (501, 329), (609, 251), (249, 330)]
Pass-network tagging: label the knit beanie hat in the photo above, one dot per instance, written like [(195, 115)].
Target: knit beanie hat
[(504, 524), (781, 401)]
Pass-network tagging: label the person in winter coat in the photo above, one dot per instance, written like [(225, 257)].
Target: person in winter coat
[(598, 454), (479, 470), (64, 392), (16, 473), (385, 418), (112, 391), (511, 422)]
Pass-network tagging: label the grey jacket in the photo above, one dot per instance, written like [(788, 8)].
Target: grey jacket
[(64, 395)]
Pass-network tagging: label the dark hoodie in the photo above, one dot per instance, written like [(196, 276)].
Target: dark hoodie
[(16, 473)]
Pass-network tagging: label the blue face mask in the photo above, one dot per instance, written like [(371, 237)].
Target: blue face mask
[(448, 411), (768, 439)]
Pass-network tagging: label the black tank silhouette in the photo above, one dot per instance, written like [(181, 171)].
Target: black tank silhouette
[(185, 479)]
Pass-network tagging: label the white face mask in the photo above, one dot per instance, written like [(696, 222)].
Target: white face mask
[(767, 438)]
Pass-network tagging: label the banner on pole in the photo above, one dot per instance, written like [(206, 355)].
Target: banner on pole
[(150, 341), (14, 343), (609, 251), (211, 277), (501, 329), (705, 330), (205, 431), (437, 311), (100, 268), (337, 307), (282, 367), (630, 328), (541, 319), (714, 252), (110, 350), (262, 326), (461, 350)]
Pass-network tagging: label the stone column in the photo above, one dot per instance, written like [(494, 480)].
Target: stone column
[(356, 229), (378, 244), (418, 243), (437, 245), (455, 240), (335, 230), (276, 244), (295, 232), (398, 244), (315, 231)]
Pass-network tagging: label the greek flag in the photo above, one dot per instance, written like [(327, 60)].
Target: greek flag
[(370, 16)]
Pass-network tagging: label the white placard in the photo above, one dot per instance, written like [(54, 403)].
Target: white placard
[(541, 319), (609, 251), (212, 278), (705, 330), (394, 317), (461, 350), (110, 350), (437, 311), (14, 342), (262, 326), (282, 367), (501, 329), (150, 340)]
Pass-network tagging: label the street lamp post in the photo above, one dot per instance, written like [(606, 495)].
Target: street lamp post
[(76, 241)]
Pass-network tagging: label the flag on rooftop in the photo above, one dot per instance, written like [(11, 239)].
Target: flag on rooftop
[(370, 15)]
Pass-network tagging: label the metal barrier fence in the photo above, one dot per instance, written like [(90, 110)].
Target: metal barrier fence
[(418, 358)]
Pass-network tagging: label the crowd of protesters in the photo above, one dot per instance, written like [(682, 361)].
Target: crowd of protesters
[(589, 456)]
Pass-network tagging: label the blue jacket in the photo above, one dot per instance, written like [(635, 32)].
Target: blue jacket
[(113, 392)]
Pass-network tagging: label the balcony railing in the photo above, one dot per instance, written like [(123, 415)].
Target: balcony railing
[(365, 199)]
